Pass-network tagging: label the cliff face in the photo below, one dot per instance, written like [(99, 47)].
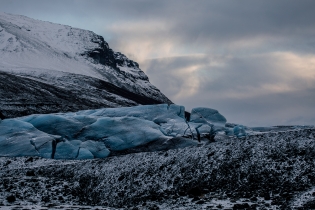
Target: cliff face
[(47, 67)]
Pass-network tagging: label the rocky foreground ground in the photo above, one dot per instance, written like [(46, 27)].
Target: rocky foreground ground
[(272, 170)]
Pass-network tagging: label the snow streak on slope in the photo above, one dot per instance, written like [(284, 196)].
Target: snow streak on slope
[(54, 53)]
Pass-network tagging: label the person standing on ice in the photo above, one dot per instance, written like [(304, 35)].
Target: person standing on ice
[(1, 116)]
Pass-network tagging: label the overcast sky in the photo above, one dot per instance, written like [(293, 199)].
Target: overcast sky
[(254, 61)]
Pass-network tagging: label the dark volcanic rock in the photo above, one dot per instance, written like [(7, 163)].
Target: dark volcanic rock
[(20, 96), (241, 206), (30, 173), (195, 191), (310, 205), (11, 198)]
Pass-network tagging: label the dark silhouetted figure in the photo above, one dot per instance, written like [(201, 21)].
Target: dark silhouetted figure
[(1, 116), (198, 134), (187, 116)]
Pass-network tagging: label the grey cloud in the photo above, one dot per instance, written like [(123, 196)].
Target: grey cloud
[(169, 74), (239, 18), (192, 22), (178, 62), (241, 76), (292, 108), (234, 73), (222, 27), (220, 21), (273, 109)]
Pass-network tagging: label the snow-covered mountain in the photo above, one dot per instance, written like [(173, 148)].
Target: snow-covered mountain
[(47, 67)]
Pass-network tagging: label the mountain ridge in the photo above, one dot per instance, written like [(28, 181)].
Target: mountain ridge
[(69, 58)]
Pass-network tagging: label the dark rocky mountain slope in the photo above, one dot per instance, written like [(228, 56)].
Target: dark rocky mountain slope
[(20, 96)]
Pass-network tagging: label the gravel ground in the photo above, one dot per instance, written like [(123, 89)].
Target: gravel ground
[(272, 170)]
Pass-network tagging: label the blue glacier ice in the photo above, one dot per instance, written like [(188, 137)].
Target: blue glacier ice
[(99, 133), (119, 133), (18, 138), (62, 125), (206, 120), (239, 131), (207, 116), (97, 148)]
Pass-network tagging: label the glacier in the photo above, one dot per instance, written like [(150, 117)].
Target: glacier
[(104, 132)]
